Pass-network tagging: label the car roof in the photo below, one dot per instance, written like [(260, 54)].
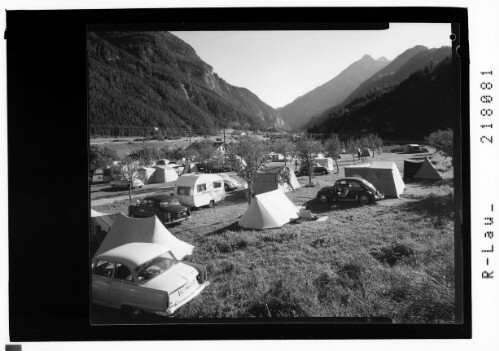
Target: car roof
[(352, 178), (134, 254), (159, 197)]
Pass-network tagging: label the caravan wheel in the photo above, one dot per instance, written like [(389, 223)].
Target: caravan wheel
[(211, 204)]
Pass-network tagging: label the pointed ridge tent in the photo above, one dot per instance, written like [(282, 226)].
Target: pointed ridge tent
[(385, 176), (164, 174), (366, 153), (411, 168), (272, 209), (146, 174), (143, 230), (190, 167), (427, 171), (104, 220), (278, 177), (326, 162)]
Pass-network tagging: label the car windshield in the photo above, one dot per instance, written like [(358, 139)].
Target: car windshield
[(166, 203), (158, 265)]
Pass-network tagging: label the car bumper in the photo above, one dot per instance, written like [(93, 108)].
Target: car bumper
[(180, 303), (379, 196)]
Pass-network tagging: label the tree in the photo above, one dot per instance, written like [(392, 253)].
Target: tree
[(284, 146), (374, 142), (351, 146), (333, 148), (251, 154), (128, 171), (307, 149), (145, 155), (443, 142), (100, 157)]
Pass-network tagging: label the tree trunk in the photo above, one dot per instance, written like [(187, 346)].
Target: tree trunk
[(250, 193), (337, 168), (353, 158)]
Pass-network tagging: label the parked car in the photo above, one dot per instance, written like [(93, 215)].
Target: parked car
[(317, 169), (165, 207), (145, 278), (229, 183), (124, 184), (350, 189)]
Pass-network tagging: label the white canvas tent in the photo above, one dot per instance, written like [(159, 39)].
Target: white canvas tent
[(146, 174), (326, 162), (164, 174), (427, 171), (385, 176), (269, 210), (143, 230)]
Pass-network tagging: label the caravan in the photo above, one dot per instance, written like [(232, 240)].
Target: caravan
[(199, 189)]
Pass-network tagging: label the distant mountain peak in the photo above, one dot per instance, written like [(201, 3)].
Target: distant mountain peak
[(383, 59), (367, 57)]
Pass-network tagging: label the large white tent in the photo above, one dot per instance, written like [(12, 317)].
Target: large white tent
[(269, 210), (143, 230), (385, 176), (326, 162), (164, 174)]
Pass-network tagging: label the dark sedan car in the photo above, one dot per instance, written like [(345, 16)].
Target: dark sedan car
[(350, 189), (166, 207)]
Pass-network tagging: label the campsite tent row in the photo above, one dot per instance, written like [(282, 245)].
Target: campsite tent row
[(385, 176), (421, 170)]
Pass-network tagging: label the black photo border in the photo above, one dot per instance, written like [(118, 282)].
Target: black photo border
[(47, 125)]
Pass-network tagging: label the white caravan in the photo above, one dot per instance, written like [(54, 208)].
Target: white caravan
[(199, 189)]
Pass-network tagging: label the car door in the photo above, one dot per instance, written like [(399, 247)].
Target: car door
[(102, 276), (355, 189), (145, 209), (123, 288)]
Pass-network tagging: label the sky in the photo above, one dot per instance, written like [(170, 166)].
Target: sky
[(279, 66)]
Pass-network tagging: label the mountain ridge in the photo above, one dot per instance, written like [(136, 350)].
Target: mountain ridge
[(146, 79), (297, 112), (408, 62)]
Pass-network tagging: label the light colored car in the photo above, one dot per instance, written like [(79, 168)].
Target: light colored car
[(124, 184), (145, 277)]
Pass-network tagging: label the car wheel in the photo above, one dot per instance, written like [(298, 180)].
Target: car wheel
[(364, 199), (226, 187), (323, 198), (133, 313), (324, 172), (211, 204)]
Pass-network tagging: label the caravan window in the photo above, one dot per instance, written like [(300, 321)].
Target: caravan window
[(201, 188), (217, 184), (184, 190)]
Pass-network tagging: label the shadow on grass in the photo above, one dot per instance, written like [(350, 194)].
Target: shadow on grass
[(318, 207), (441, 208)]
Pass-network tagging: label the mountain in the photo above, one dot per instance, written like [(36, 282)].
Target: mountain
[(143, 80), (399, 69), (424, 102), (298, 113)]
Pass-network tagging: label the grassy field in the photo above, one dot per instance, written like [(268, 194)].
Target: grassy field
[(392, 259)]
